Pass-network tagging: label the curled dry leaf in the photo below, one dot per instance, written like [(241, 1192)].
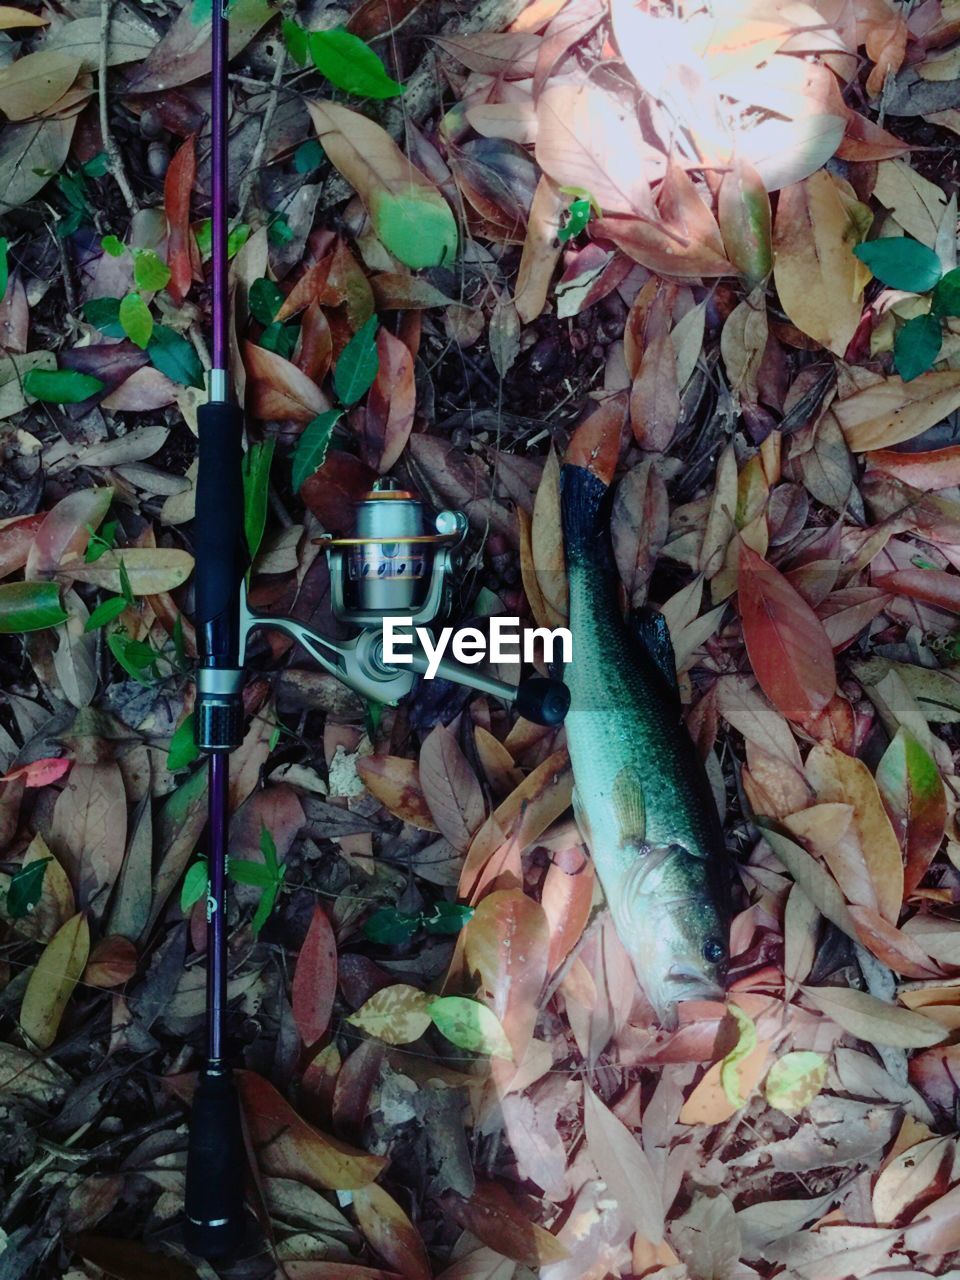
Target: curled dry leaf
[(279, 390), (839, 778), (288, 1147), (52, 982)]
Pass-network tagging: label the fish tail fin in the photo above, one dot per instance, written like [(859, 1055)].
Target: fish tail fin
[(582, 501)]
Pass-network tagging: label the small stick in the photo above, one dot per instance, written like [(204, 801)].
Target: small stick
[(113, 152)]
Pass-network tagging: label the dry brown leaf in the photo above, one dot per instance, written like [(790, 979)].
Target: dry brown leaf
[(817, 276)]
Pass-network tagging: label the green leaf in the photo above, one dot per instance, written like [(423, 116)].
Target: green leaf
[(297, 42), (150, 272), (100, 542), (578, 215), (417, 226), (136, 320), (350, 64), (138, 660), (390, 926), (97, 166), (105, 612), (268, 847), (126, 590), (195, 885), (183, 745), (470, 1025), (268, 900), (4, 266), (61, 386), (312, 446), (358, 364), (243, 871), (308, 156), (173, 355), (104, 314), (266, 299), (917, 346), (447, 917), (237, 237), (30, 606), (113, 246), (26, 888), (280, 338), (901, 262), (946, 296), (279, 230), (256, 482)]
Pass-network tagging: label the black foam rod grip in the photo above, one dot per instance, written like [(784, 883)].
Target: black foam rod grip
[(220, 546), (215, 1159), (543, 700)]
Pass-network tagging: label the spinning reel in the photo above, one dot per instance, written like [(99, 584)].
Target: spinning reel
[(395, 567)]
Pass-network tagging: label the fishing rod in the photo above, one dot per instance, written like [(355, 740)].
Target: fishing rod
[(394, 565)]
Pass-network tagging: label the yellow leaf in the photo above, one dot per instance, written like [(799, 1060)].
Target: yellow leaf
[(396, 1014), (816, 274), (31, 84), (10, 17), (795, 1080), (53, 980)]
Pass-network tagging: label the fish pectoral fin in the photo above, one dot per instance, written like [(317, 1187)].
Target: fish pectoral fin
[(580, 818), (649, 628), (629, 807)]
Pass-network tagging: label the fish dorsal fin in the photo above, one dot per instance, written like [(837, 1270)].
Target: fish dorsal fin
[(651, 632), (628, 806)]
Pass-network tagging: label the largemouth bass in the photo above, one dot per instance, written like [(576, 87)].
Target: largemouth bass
[(642, 798)]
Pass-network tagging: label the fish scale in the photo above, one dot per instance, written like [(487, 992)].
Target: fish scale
[(643, 799)]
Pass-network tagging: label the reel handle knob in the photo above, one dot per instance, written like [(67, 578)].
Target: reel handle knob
[(216, 1218), (543, 700)]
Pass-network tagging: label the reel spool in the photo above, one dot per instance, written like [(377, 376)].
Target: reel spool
[(392, 567)]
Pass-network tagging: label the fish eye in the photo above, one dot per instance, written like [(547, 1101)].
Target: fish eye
[(713, 951)]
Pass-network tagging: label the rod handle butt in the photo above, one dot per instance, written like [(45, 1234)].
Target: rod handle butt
[(215, 1215), (543, 700)]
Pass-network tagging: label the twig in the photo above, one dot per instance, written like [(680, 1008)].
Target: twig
[(111, 148), (250, 177)]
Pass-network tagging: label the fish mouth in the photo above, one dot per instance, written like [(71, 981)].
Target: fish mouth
[(683, 982)]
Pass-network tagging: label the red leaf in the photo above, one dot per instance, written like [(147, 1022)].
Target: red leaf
[(40, 773), (597, 441), (181, 247), (16, 537), (932, 586), (315, 979), (933, 469), (786, 643), (331, 492), (390, 1232)]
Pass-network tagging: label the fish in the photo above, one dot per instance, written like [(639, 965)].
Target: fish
[(642, 798)]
